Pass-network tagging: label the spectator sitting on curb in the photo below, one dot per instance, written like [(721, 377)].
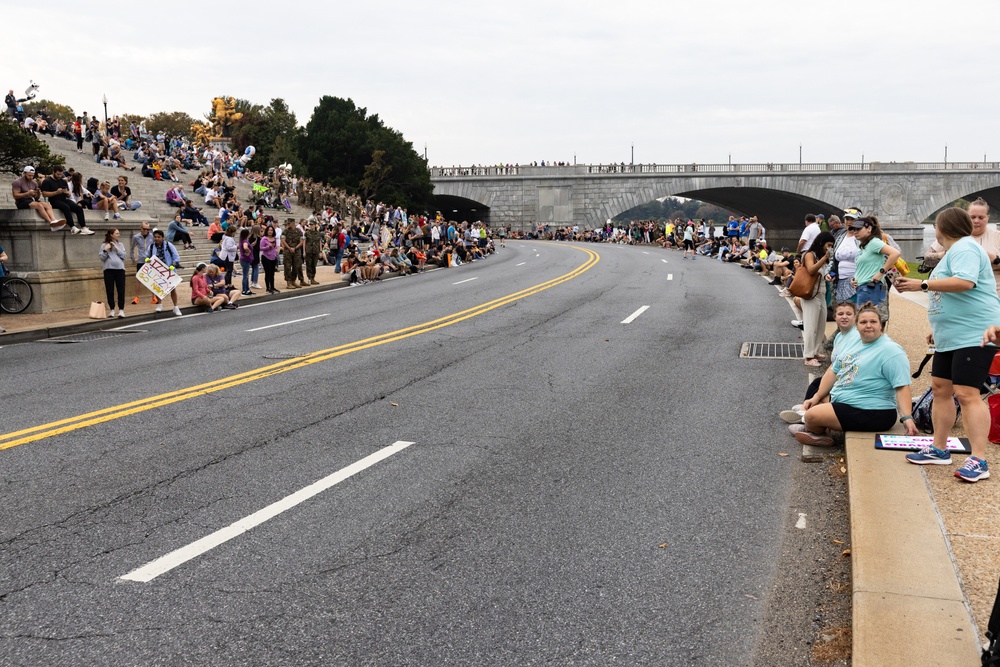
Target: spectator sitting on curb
[(872, 372), (218, 287), (104, 201), (845, 332), (201, 294), (175, 197)]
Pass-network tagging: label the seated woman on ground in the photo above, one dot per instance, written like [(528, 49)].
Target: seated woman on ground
[(201, 293), (217, 286), (846, 332), (868, 381)]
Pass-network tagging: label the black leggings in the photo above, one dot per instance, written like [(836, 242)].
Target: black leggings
[(69, 209), (270, 266), (115, 278)]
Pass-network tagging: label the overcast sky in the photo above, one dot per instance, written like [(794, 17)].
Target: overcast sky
[(516, 81)]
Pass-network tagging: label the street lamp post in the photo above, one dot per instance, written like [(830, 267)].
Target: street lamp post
[(104, 98)]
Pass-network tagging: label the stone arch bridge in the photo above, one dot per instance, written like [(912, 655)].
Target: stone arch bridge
[(901, 194)]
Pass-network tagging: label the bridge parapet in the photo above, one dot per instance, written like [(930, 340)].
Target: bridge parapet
[(763, 168)]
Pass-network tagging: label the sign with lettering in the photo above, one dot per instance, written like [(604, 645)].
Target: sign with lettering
[(918, 442), (158, 278)]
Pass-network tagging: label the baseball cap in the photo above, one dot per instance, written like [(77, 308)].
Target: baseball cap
[(853, 213), (29, 169), (856, 223)]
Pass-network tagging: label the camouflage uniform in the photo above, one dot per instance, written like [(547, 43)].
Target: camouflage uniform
[(314, 242)]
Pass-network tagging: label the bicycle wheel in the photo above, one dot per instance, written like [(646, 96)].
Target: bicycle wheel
[(15, 295)]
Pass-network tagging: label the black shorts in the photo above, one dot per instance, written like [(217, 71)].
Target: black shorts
[(967, 366), (23, 203), (688, 245), (860, 419)]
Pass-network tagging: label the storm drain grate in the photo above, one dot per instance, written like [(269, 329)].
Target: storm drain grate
[(284, 355), (89, 336), (771, 351)]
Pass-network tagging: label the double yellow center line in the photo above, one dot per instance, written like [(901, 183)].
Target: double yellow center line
[(43, 431)]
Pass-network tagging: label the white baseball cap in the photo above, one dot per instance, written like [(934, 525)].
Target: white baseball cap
[(29, 169)]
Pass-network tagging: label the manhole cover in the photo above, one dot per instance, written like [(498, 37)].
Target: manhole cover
[(89, 336), (771, 351), (285, 355)]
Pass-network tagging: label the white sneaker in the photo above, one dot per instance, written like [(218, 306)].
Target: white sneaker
[(177, 310), (796, 323), (792, 416), (75, 230), (114, 312), (107, 217), (121, 313), (255, 286), (159, 307), (86, 231)]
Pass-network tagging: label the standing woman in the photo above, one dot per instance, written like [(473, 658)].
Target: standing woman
[(816, 261), (269, 257), (112, 255), (963, 299), (227, 253), (255, 234), (873, 263), (78, 134), (846, 253), (246, 259)]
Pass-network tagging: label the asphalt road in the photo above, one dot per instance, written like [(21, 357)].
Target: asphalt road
[(578, 491)]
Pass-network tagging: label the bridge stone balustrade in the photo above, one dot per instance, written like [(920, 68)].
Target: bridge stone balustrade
[(901, 194)]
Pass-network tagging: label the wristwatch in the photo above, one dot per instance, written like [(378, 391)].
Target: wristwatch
[(923, 285), (902, 420)]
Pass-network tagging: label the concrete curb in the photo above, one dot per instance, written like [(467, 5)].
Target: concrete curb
[(908, 605)]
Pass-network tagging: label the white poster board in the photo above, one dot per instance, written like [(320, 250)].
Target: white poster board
[(158, 278)]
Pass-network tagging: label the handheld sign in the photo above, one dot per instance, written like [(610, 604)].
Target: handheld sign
[(158, 278)]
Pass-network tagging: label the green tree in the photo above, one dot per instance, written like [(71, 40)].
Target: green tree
[(18, 149), (341, 141), (174, 123), (272, 130), (55, 109)]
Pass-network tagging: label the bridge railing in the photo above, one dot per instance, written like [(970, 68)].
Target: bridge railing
[(692, 168)]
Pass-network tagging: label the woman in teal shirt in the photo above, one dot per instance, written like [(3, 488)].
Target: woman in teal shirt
[(963, 301), (868, 381), (873, 262)]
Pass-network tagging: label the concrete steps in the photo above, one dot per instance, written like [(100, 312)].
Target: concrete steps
[(151, 193)]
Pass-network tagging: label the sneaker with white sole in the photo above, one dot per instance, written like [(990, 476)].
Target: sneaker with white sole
[(177, 310), (74, 230), (792, 416), (796, 323), (795, 429), (814, 439), (929, 455), (107, 217), (974, 470), (159, 308), (86, 231), (121, 313)]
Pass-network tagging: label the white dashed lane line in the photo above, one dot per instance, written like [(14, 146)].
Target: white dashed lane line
[(465, 281), (631, 318), (281, 324)]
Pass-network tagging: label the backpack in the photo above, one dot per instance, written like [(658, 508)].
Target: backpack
[(922, 411)]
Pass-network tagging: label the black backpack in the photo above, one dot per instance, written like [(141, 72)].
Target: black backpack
[(991, 652), (922, 411)]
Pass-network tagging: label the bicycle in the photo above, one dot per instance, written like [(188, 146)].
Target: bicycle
[(15, 293)]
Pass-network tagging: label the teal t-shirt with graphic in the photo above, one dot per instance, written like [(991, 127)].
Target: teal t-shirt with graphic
[(958, 319), (868, 374)]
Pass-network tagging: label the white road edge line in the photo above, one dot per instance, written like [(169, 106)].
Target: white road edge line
[(521, 264), (281, 324), (644, 252), (632, 318), (664, 261), (466, 280), (801, 523), (155, 568), (670, 276)]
